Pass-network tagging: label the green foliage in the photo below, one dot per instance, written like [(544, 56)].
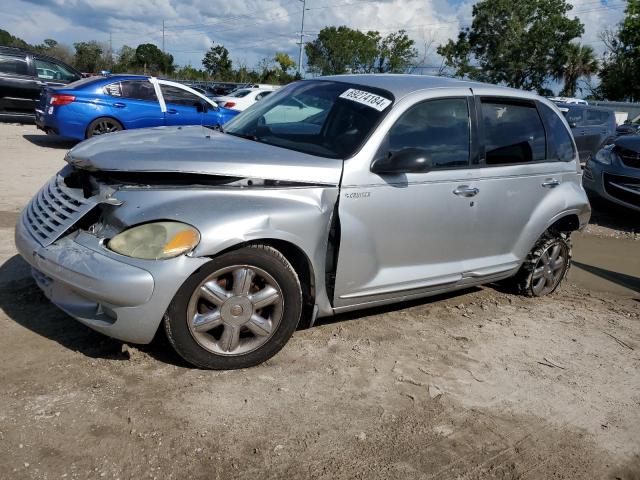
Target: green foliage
[(581, 62), (396, 52), (126, 61), (217, 62), (621, 66), (521, 43), (88, 57), (6, 39), (153, 60), (285, 62)]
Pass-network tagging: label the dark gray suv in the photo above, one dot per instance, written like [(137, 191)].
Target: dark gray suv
[(592, 127), (24, 74)]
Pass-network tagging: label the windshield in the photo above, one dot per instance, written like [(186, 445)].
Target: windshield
[(319, 117)]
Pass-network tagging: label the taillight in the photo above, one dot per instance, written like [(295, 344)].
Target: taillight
[(59, 99), (229, 105)]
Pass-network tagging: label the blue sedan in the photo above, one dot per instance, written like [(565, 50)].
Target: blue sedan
[(98, 105)]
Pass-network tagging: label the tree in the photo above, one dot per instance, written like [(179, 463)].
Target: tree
[(10, 41), (153, 60), (88, 57), (581, 62), (396, 52), (54, 49), (217, 62), (344, 50), (126, 60), (521, 43), (285, 62), (621, 65)]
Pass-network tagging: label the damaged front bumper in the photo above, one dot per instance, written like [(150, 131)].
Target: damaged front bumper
[(118, 296)]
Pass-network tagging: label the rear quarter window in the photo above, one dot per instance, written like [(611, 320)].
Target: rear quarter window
[(13, 65), (512, 131), (559, 141)]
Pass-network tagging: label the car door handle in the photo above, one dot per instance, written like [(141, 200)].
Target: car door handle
[(551, 183), (172, 111), (466, 191), (119, 105)]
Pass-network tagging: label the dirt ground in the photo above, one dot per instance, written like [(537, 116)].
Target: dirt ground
[(479, 384)]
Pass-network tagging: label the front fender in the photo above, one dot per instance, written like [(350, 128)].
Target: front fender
[(230, 216)]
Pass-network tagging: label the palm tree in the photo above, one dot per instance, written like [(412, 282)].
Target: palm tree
[(581, 62)]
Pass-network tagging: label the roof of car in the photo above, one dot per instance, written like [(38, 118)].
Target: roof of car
[(582, 106), (403, 84)]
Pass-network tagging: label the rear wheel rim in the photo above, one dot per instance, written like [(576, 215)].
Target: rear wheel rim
[(104, 126), (235, 310), (549, 269)]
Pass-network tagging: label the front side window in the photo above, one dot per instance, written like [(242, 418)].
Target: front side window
[(559, 140), (513, 132), (13, 65), (53, 71), (178, 96), (439, 129), (319, 117), (596, 117)]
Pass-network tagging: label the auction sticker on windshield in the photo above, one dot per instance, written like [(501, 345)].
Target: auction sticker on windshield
[(366, 98)]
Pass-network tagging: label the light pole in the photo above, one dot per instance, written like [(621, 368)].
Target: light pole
[(304, 4)]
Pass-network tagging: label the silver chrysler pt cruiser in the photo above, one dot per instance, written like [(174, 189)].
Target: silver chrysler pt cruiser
[(332, 194)]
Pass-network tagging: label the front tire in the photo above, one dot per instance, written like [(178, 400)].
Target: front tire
[(237, 311), (545, 266)]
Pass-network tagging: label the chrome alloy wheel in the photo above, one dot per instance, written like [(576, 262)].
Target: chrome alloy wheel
[(550, 269), (235, 310)]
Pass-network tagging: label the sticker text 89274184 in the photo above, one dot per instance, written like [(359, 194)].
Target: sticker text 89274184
[(366, 98)]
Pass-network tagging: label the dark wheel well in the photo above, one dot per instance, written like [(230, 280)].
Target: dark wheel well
[(568, 223), (303, 267)]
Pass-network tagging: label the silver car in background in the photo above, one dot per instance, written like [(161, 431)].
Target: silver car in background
[(330, 195)]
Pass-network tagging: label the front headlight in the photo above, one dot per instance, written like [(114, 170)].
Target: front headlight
[(604, 155), (156, 241)]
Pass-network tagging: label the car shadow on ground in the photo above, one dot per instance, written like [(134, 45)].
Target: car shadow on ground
[(23, 302), (51, 141), (622, 279)]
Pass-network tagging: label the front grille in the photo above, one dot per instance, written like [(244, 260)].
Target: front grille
[(54, 210), (629, 157), (626, 189)]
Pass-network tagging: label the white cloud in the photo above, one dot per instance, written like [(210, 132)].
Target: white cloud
[(254, 29)]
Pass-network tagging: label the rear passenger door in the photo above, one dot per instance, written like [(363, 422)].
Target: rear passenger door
[(525, 153), (596, 130), (134, 103)]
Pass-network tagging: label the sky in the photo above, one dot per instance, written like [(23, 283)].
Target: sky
[(256, 29)]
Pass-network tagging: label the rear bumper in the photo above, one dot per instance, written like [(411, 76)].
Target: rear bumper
[(105, 293)]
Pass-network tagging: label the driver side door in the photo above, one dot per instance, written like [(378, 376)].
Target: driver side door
[(183, 107), (408, 233)]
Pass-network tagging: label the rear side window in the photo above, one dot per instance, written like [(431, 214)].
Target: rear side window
[(574, 115), (513, 132), (596, 117), (13, 65), (439, 128), (559, 140), (133, 89)]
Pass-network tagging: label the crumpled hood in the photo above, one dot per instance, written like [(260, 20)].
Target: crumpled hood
[(196, 149)]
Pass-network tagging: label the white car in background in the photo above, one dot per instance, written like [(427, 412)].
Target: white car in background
[(243, 98)]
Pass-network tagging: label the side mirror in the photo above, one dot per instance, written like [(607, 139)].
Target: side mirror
[(407, 160), (573, 124)]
